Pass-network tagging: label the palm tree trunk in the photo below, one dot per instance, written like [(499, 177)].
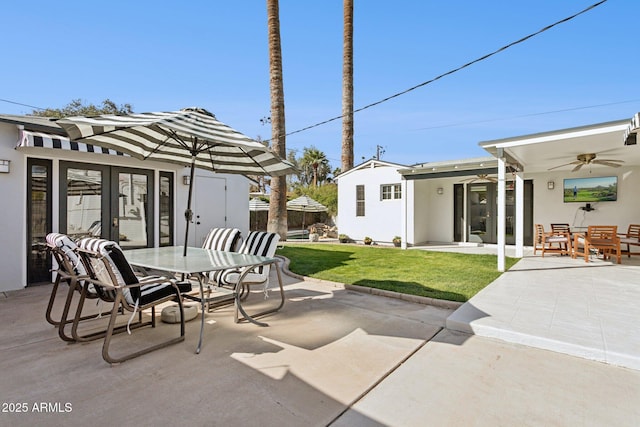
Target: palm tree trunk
[(347, 88), (277, 222)]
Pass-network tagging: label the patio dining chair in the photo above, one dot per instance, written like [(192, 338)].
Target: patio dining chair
[(114, 278), (257, 243), (554, 242), (223, 239), (599, 239), (69, 270), (561, 228), (631, 238)]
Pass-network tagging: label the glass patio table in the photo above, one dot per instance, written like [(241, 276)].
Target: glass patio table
[(200, 261)]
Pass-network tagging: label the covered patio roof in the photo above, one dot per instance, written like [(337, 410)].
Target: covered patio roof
[(543, 151), (451, 168)]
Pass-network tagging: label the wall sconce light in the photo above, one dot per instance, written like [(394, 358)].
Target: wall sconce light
[(186, 180), (4, 166), (440, 190), (551, 185)]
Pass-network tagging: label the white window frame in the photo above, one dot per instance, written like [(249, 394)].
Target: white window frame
[(390, 192)]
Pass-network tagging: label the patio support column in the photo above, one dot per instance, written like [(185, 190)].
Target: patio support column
[(519, 214), (405, 209), (501, 209)]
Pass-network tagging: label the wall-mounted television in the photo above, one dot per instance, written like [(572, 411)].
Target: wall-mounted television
[(591, 189)]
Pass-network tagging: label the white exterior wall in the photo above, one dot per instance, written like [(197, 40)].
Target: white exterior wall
[(433, 214), (13, 216), (548, 205), (383, 218)]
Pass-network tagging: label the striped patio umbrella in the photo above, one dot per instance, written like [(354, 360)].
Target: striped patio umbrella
[(305, 204), (190, 137), (257, 205)]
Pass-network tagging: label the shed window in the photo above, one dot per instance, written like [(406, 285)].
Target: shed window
[(390, 191), (359, 200)]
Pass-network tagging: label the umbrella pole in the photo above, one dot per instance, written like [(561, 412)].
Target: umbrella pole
[(188, 214)]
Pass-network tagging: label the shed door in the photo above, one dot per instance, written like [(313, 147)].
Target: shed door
[(209, 205)]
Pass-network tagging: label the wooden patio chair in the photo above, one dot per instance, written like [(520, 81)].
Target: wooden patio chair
[(113, 278), (631, 238), (601, 239), (561, 228), (554, 242)]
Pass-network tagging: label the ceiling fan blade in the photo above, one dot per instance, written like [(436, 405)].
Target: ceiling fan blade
[(608, 163), (577, 168), (566, 164)]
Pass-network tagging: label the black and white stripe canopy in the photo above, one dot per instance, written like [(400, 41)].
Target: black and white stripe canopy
[(186, 137), (46, 140), (305, 204), (630, 135)]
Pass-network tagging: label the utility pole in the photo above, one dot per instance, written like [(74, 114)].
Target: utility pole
[(379, 151)]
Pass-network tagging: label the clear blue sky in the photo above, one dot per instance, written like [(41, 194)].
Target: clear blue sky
[(162, 56)]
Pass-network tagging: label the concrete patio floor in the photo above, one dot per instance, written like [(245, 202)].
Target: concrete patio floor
[(331, 356), (325, 349), (557, 303)]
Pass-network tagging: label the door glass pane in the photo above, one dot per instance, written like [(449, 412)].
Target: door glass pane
[(132, 210), (84, 202), (510, 212), (478, 211), (38, 262), (166, 209)]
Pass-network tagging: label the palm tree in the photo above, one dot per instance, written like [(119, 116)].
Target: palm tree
[(315, 162), (277, 220), (347, 87)]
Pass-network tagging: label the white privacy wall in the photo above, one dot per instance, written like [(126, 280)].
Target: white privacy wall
[(383, 218), (548, 205)]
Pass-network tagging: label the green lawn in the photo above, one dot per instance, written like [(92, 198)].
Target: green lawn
[(440, 275)]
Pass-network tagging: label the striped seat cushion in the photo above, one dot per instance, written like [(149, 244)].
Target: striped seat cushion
[(257, 243), (68, 249), (124, 275), (222, 239)]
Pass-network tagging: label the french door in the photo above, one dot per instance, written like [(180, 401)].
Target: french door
[(482, 212), (111, 202), (39, 214)]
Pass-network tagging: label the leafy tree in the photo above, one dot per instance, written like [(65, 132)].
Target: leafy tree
[(315, 165), (327, 194), (294, 180), (77, 108)]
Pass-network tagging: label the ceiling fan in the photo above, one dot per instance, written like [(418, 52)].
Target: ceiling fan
[(482, 177), (590, 159)]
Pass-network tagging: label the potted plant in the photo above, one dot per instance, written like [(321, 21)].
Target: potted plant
[(397, 240), (343, 238), (367, 240)]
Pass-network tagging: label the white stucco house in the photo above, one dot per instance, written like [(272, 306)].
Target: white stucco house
[(50, 184), (496, 199)]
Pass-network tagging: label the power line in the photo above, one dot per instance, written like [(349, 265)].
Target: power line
[(455, 70), (19, 103), (564, 110)]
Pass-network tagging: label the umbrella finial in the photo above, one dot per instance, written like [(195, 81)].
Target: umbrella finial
[(199, 110)]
